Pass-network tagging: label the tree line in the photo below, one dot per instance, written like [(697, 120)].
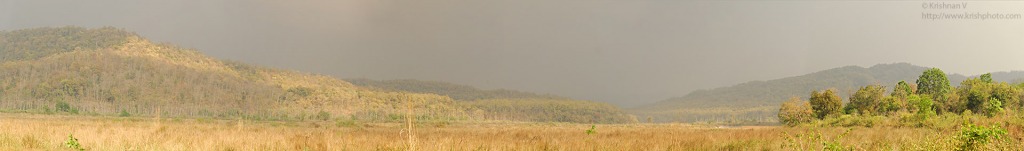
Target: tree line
[(931, 94)]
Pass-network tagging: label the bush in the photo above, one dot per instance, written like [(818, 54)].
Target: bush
[(72, 143), (124, 114), (592, 130), (323, 116), (65, 107), (977, 137), (922, 105), (993, 108), (346, 123), (851, 120)]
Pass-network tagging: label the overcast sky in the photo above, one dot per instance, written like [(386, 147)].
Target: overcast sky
[(625, 52)]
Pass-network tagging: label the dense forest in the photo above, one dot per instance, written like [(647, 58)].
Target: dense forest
[(508, 104), (758, 101)]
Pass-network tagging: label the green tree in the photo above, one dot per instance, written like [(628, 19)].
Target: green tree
[(898, 98), (987, 77), (868, 100), (795, 111), (933, 82), (901, 90), (826, 103)]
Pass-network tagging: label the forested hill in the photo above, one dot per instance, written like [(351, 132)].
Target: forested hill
[(108, 71), (759, 100), (455, 91), (504, 104)]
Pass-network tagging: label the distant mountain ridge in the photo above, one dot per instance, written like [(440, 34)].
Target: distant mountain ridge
[(759, 100)]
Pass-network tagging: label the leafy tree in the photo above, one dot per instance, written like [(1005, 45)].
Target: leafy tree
[(795, 111), (987, 78), (826, 103), (934, 82), (902, 90), (897, 100), (868, 100), (892, 104)]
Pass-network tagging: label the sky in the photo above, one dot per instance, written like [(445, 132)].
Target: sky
[(625, 52)]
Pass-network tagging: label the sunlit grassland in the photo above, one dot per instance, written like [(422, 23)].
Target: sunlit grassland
[(50, 132)]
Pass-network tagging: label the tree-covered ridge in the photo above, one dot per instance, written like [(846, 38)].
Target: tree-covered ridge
[(40, 42), (108, 71), (455, 91), (507, 104)]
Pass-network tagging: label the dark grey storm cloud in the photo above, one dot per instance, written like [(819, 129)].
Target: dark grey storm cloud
[(618, 51)]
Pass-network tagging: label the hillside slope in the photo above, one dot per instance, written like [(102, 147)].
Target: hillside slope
[(108, 71), (758, 101), (508, 104)]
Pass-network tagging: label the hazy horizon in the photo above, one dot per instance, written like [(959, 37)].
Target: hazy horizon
[(622, 52)]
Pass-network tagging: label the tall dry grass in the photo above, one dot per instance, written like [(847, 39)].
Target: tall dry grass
[(39, 132)]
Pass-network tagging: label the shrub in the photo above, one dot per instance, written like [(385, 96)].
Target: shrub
[(922, 105), (977, 137), (62, 107), (346, 123), (323, 116), (124, 114), (994, 107), (72, 143), (592, 130)]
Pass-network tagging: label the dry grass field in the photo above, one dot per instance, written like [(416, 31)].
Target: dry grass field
[(50, 132)]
